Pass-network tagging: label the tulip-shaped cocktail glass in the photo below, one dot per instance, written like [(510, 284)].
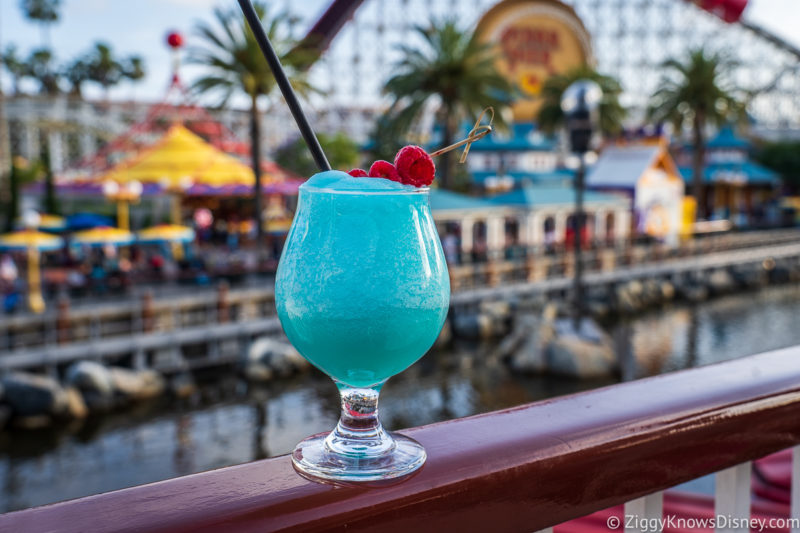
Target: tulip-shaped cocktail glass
[(362, 291)]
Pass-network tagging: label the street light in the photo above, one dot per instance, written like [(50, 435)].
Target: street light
[(31, 220), (123, 194), (581, 106), (177, 189)]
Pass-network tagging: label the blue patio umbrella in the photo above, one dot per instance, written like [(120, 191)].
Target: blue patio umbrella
[(81, 221)]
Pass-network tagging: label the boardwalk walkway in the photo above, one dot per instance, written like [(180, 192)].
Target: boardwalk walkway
[(210, 329), (669, 268)]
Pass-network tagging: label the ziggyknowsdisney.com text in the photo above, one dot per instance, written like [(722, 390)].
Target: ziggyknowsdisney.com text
[(655, 525)]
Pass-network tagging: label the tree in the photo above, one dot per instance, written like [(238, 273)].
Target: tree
[(341, 150), (51, 204), (453, 69), (102, 67), (15, 66), (43, 12), (235, 64), (550, 117), (784, 158), (696, 92), (133, 68), (384, 140), (22, 172), (41, 67)]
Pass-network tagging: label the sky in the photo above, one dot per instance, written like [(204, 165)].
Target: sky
[(140, 27)]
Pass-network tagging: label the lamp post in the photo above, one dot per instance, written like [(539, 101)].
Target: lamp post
[(580, 104), (176, 189), (31, 220), (123, 194)]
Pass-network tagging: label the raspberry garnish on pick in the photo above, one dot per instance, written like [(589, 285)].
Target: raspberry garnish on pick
[(415, 166), (358, 173), (384, 169)]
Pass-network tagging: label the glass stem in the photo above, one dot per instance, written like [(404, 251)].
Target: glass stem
[(359, 431)]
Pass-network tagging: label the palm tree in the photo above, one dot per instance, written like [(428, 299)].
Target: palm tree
[(22, 172), (133, 68), (550, 117), (342, 153), (103, 68), (696, 92), (384, 140), (77, 73), (235, 64), (453, 69), (43, 12), (15, 66), (41, 67)]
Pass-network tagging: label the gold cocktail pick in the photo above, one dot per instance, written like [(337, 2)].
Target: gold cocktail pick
[(478, 132)]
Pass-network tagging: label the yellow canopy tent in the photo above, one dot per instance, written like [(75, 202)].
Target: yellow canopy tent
[(181, 159), (166, 233), (34, 242), (26, 238), (47, 222), (103, 235), (171, 233)]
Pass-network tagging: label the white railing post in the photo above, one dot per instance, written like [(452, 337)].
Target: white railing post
[(732, 498), (794, 514), (645, 509)]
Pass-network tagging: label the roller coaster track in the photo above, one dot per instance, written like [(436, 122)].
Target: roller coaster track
[(631, 38), (338, 12)]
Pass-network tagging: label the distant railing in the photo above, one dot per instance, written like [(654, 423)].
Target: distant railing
[(156, 313), (147, 314), (519, 470), (539, 264)]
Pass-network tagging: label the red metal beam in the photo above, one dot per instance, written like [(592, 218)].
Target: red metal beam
[(731, 12), (727, 10), (321, 34), (521, 469)]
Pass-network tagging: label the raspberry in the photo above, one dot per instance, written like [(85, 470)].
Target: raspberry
[(384, 169), (358, 173), (415, 166)]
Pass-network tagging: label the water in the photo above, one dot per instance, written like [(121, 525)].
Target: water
[(362, 288), (230, 423)]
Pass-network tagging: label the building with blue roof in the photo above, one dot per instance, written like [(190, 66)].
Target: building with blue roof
[(492, 181), (549, 209), (548, 196), (444, 202), (527, 217), (744, 173), (520, 155), (647, 177), (736, 187)]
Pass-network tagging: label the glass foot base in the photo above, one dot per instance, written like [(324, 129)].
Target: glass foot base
[(313, 458)]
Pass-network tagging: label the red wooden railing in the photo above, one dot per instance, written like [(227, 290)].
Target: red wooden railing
[(521, 469)]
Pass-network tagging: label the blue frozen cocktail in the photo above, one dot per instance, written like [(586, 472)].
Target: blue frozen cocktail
[(362, 291)]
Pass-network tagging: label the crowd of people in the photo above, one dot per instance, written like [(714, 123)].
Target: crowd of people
[(107, 270)]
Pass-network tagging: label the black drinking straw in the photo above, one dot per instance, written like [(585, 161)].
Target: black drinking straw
[(283, 82)]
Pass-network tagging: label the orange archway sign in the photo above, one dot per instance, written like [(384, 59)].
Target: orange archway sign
[(534, 39)]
